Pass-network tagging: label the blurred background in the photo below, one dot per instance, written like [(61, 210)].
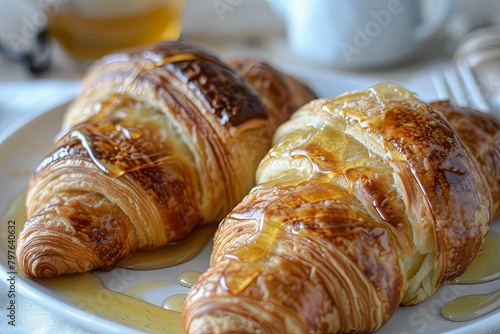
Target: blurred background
[(291, 32)]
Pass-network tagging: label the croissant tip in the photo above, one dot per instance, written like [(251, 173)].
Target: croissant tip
[(48, 266), (42, 257)]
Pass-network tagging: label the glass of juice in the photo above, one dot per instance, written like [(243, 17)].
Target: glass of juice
[(89, 29)]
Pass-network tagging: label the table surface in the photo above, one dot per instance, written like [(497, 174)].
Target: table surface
[(249, 30)]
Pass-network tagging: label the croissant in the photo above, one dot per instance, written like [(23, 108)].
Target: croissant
[(366, 202), (479, 133), (160, 140)]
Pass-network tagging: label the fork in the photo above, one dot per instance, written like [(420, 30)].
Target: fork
[(473, 79), (459, 84)]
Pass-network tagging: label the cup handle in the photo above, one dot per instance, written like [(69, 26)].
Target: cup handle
[(429, 27)]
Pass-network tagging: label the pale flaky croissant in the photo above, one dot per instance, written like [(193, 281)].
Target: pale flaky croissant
[(160, 140), (366, 202)]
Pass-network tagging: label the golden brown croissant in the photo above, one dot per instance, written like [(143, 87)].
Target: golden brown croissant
[(366, 202), (160, 140), (479, 133)]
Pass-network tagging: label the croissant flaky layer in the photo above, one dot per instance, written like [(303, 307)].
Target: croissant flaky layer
[(160, 140), (366, 202)]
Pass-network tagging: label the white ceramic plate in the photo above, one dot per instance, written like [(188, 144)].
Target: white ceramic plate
[(22, 147)]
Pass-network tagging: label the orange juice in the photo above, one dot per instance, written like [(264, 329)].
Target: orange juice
[(88, 29)]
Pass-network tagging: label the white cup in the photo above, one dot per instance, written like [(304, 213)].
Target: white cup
[(360, 34)]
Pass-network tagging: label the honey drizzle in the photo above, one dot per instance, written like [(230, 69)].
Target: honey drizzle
[(471, 307), (172, 254), (248, 261), (486, 265), (106, 153), (188, 278), (174, 303), (114, 103), (484, 268), (180, 57)]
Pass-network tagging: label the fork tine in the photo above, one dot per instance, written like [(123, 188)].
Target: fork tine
[(474, 94), (456, 91), (459, 85), (442, 90)]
